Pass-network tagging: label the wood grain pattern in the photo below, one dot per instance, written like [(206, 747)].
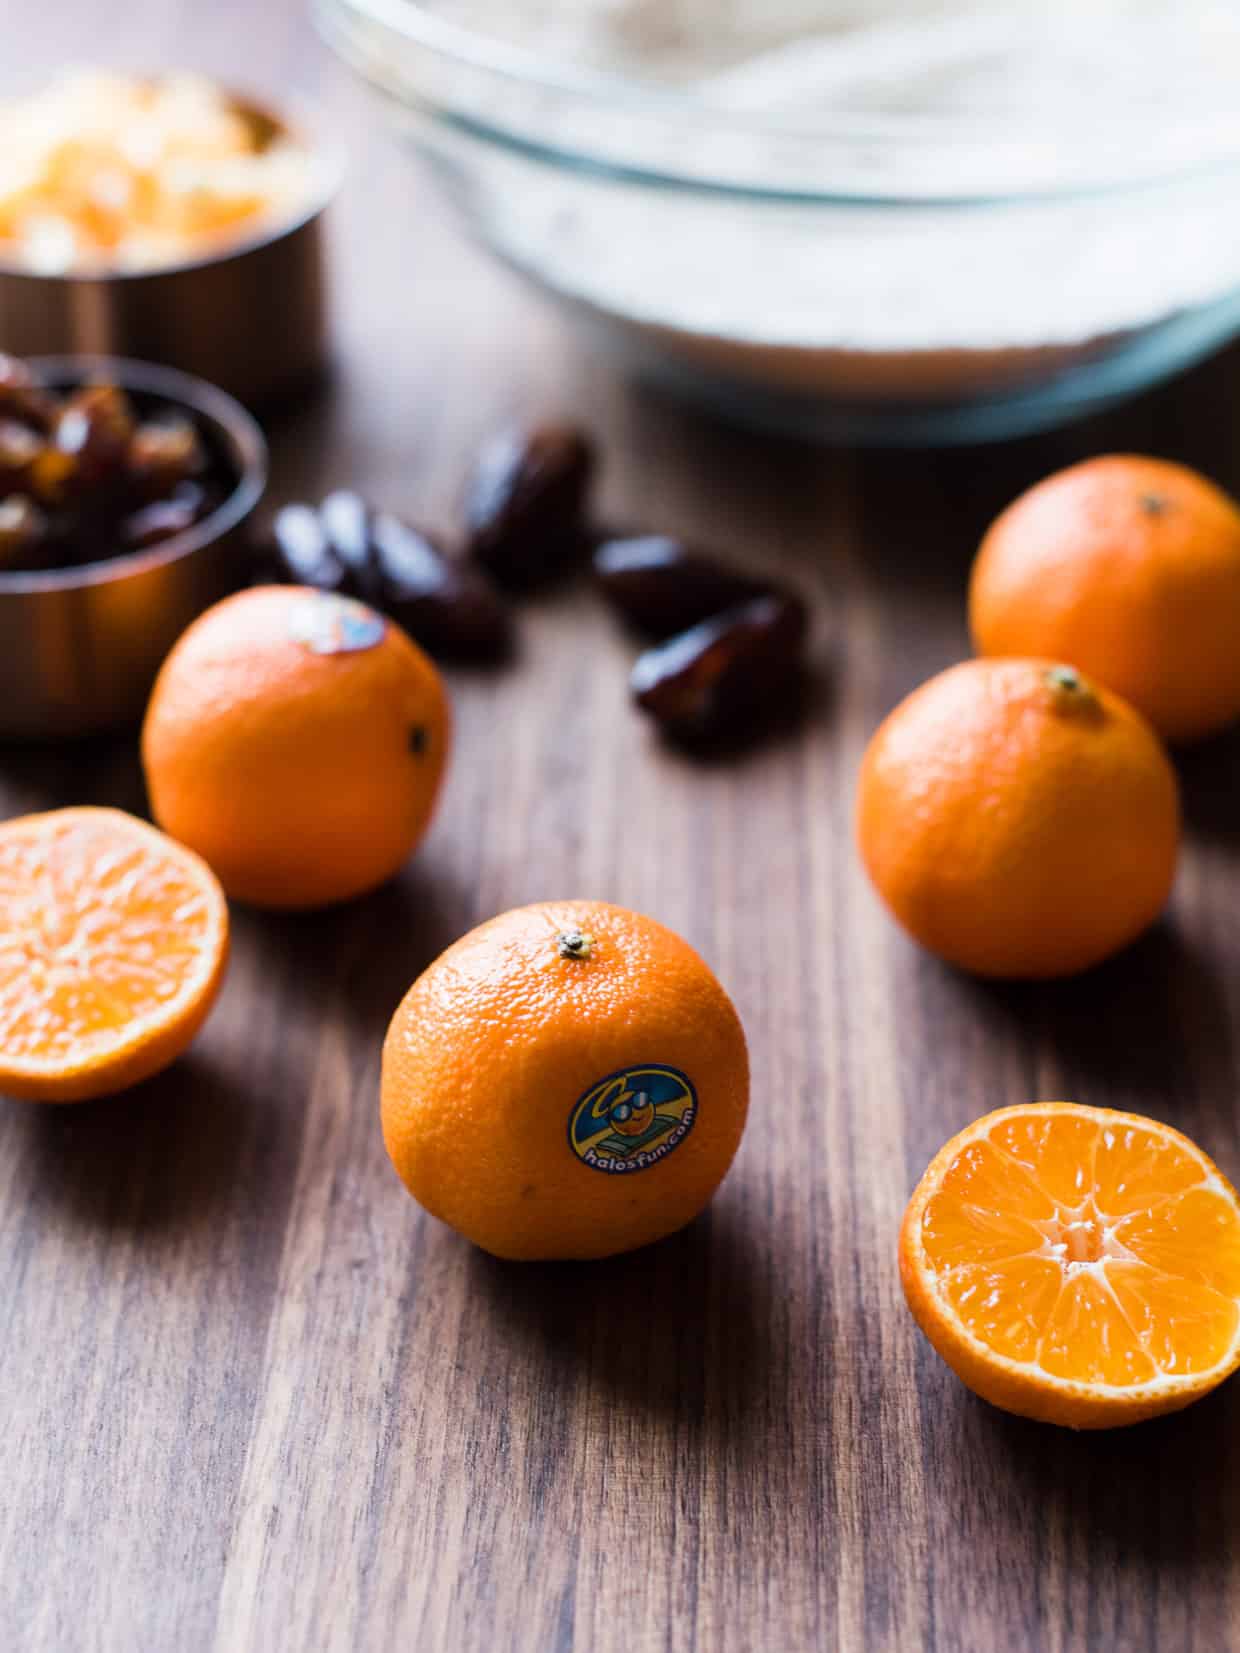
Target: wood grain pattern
[(253, 1400)]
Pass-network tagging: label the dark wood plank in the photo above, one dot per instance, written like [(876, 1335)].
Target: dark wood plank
[(252, 1399)]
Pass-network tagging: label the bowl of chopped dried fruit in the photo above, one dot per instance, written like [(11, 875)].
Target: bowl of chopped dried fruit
[(124, 490), (168, 219)]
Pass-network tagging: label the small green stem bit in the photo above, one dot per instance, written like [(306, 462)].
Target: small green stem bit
[(575, 944), (1070, 688)]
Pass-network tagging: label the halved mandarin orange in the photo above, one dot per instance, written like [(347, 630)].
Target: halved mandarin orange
[(1076, 1265), (113, 942)]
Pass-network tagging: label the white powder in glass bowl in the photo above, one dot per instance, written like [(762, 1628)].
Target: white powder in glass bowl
[(915, 284), (885, 55)]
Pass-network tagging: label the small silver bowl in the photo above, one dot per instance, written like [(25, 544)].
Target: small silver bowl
[(251, 317), (79, 647)]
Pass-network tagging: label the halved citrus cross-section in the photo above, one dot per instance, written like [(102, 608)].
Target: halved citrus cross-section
[(1076, 1265), (113, 941)]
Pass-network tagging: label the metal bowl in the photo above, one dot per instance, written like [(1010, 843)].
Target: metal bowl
[(79, 647), (252, 318)]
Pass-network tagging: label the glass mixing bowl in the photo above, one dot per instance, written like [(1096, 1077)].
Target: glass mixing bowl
[(899, 274)]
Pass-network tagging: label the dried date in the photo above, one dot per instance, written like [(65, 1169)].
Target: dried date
[(21, 398), (661, 587), (163, 454), (448, 608), (300, 548), (23, 535), (164, 518), (20, 448), (724, 676), (346, 520), (525, 504), (93, 432)]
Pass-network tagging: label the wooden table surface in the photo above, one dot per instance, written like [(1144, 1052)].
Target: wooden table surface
[(252, 1399)]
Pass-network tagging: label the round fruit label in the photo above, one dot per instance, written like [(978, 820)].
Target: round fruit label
[(632, 1119), (326, 624)]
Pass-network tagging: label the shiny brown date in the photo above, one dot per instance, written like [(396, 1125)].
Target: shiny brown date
[(23, 535), (661, 587), (21, 398), (725, 676), (163, 454), (20, 447), (301, 550), (346, 520), (525, 504), (448, 608), (92, 435), (344, 545), (159, 521)]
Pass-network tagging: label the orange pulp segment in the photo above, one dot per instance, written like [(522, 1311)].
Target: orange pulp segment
[(1076, 1264), (113, 941)]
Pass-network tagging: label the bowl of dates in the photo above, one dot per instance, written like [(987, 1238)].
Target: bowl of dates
[(124, 488)]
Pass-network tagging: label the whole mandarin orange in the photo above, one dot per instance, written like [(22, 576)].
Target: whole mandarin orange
[(1129, 569), (297, 741), (568, 1080), (1018, 820)]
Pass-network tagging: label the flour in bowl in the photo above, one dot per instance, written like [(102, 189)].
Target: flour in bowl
[(880, 54), (895, 273)]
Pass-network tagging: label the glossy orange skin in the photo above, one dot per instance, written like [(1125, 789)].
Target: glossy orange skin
[(1129, 569), (297, 776), (1015, 829), (495, 1043)]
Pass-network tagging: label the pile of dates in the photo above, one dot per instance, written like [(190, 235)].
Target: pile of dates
[(90, 475), (524, 513), (727, 648), (728, 655), (344, 545)]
